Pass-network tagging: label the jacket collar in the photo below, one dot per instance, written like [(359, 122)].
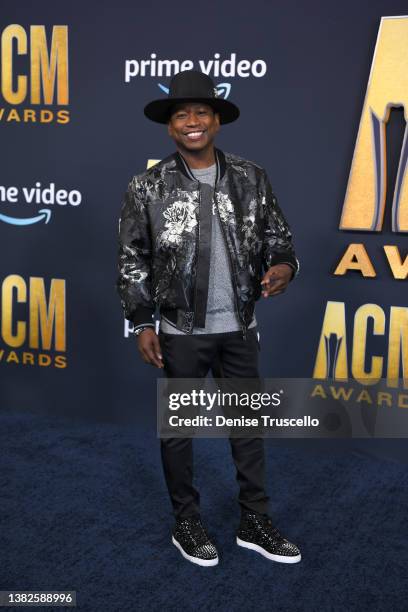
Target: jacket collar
[(183, 166)]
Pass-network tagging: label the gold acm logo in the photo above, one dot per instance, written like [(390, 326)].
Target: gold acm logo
[(34, 75), (387, 87), (364, 203), (363, 210), (33, 327)]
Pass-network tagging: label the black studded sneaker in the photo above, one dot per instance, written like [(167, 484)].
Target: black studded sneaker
[(256, 532), (190, 537)]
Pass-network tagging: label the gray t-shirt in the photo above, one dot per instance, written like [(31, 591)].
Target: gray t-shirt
[(221, 313)]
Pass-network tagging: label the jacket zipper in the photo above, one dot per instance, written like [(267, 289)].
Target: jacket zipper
[(197, 251), (243, 326)]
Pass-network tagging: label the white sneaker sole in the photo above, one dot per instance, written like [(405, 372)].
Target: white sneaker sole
[(265, 553), (196, 560)]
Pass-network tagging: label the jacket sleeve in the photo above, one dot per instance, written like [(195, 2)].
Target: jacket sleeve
[(134, 265), (277, 245)]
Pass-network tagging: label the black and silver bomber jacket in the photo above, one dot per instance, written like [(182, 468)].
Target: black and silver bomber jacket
[(165, 240)]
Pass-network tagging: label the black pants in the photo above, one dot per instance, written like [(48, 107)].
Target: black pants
[(229, 356)]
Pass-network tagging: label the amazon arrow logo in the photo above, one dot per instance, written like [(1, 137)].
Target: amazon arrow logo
[(223, 89), (45, 214)]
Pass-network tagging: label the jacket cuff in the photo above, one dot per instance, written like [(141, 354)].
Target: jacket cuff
[(142, 316), (288, 259)]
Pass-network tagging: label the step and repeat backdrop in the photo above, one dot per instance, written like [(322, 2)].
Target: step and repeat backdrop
[(323, 93)]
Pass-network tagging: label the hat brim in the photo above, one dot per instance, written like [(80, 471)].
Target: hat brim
[(159, 110)]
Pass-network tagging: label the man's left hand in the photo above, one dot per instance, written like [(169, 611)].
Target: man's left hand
[(276, 279)]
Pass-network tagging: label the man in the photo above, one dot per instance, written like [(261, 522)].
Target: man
[(195, 233)]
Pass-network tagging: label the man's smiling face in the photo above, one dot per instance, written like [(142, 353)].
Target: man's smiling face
[(193, 126)]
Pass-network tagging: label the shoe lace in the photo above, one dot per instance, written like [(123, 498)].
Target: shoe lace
[(195, 529), (272, 532)]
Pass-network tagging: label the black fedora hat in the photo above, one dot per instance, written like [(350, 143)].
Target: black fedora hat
[(189, 86)]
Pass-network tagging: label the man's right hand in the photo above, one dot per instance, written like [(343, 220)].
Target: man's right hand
[(149, 347)]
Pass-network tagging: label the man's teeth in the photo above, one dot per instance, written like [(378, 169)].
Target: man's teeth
[(194, 134)]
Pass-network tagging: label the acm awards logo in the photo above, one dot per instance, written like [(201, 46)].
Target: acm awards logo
[(363, 210), (34, 74), (33, 330)]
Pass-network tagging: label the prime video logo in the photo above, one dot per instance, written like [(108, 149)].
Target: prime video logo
[(215, 67), (37, 195)]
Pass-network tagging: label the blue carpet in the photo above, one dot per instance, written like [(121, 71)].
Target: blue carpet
[(84, 507)]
